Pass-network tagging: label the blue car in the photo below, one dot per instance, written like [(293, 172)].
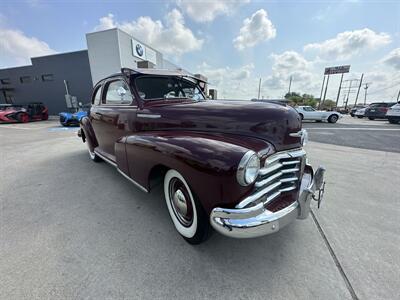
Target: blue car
[(71, 119)]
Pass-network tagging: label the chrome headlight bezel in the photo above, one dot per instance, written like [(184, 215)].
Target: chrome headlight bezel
[(250, 162), (304, 137)]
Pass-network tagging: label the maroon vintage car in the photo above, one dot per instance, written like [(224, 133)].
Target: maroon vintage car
[(237, 165)]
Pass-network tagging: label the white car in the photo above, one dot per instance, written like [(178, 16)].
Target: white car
[(360, 113), (393, 114), (309, 113)]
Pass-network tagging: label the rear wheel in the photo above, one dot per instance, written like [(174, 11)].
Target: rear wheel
[(187, 214), (371, 118), (360, 117), (45, 116), (393, 121), (333, 119), (23, 117), (93, 156)]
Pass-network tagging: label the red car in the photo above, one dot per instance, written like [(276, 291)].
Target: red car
[(11, 113)]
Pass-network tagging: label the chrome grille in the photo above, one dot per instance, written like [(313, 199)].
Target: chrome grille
[(280, 173)]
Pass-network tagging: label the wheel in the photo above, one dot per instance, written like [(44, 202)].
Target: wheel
[(351, 114), (393, 121), (360, 117), (371, 118), (187, 214), (93, 156), (45, 116), (301, 116), (333, 119), (318, 121), (23, 118)]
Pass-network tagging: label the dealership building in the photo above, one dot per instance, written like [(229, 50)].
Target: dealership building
[(62, 80)]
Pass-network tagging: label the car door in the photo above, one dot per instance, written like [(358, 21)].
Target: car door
[(114, 117)]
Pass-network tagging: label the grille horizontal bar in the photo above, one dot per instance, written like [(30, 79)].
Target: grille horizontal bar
[(280, 174)]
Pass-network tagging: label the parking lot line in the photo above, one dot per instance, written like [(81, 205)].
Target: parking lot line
[(354, 128)]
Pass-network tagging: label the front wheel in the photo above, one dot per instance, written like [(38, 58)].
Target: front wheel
[(360, 117), (187, 214), (393, 121), (23, 118), (333, 119), (371, 118)]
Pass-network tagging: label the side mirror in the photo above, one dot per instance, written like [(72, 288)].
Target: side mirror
[(80, 104), (121, 91)]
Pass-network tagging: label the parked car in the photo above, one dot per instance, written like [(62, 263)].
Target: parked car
[(73, 119), (360, 113), (310, 113), (237, 165), (11, 113), (393, 113), (378, 110), (355, 108)]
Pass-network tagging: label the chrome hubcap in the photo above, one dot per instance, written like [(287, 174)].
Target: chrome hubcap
[(180, 202)]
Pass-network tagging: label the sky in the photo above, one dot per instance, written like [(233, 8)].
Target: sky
[(233, 43)]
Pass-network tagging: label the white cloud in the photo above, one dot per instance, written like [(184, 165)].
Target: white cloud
[(349, 43), (171, 37), (16, 48), (231, 83), (201, 11), (290, 64), (256, 29), (393, 59)]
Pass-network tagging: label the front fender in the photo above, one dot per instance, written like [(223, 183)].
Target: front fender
[(90, 136), (208, 162)]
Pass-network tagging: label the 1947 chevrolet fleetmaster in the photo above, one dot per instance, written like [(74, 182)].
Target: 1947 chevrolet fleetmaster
[(237, 165)]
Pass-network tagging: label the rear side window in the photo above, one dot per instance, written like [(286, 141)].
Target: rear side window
[(117, 92), (97, 96)]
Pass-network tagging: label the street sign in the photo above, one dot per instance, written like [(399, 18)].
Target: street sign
[(337, 70)]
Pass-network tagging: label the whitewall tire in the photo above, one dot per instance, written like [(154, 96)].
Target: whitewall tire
[(186, 213)]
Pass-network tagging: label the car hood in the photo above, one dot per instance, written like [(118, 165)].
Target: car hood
[(267, 121)]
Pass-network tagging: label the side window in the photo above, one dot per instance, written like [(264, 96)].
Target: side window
[(307, 108), (117, 92), (97, 96)]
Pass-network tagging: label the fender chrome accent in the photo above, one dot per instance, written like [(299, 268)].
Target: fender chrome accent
[(120, 171), (105, 158), (133, 181), (149, 116)]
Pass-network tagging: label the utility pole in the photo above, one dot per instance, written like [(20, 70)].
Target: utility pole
[(322, 90), (290, 84), (338, 93), (326, 88), (366, 90), (359, 86), (259, 89), (398, 96)]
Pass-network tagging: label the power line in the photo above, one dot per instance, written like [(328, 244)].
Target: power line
[(386, 88)]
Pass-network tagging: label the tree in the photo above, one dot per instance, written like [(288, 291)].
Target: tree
[(296, 99)]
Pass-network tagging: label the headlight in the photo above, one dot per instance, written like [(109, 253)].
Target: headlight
[(248, 169)]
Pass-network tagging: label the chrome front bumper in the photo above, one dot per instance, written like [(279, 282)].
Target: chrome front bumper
[(257, 221)]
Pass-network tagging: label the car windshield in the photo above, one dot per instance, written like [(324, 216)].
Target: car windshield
[(167, 87)]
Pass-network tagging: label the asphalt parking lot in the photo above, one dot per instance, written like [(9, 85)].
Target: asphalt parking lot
[(74, 229)]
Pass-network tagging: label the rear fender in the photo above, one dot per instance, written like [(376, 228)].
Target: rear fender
[(207, 162), (88, 131)]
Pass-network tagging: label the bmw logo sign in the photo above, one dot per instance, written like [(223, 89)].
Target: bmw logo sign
[(139, 49)]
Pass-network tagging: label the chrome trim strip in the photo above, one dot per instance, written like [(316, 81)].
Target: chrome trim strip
[(133, 181), (258, 195), (119, 170), (105, 158), (149, 116)]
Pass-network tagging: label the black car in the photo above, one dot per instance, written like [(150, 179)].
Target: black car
[(378, 110)]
